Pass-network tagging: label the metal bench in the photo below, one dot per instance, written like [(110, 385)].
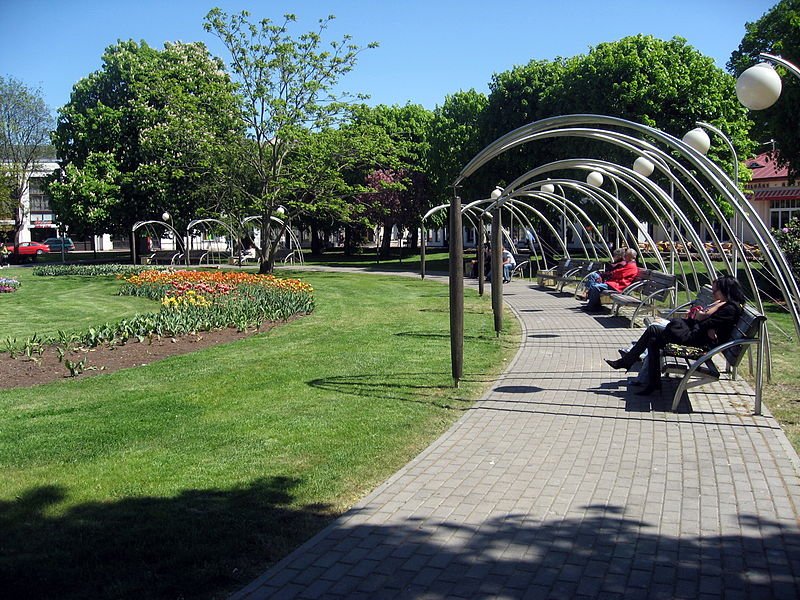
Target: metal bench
[(578, 271), (696, 365), (162, 257), (523, 262), (704, 298), (645, 294), (553, 273)]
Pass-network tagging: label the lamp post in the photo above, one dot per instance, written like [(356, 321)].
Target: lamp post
[(456, 289), (497, 262), (698, 139), (759, 87)]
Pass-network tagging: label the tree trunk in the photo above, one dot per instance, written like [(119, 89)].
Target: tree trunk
[(386, 240), (316, 241)]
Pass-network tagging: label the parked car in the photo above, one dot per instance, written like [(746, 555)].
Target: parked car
[(29, 248), (55, 244)]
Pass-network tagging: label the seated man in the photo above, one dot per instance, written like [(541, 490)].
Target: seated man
[(508, 265), (616, 279)]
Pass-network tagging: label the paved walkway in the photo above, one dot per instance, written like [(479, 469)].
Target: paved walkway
[(561, 483)]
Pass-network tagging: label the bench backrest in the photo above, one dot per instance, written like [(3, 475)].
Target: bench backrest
[(563, 265), (748, 326), (704, 297), (658, 285)]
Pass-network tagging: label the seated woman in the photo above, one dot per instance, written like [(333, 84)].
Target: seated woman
[(616, 279), (709, 327)]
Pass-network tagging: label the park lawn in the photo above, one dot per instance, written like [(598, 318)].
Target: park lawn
[(188, 477), (45, 305)]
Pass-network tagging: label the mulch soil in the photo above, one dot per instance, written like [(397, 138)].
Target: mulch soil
[(25, 372)]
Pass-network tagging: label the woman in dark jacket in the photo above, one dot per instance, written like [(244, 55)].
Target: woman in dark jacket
[(709, 327)]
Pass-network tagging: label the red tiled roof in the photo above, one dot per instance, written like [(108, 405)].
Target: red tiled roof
[(764, 167)]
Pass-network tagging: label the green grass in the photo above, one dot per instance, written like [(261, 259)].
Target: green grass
[(434, 260), (187, 477), (44, 305)]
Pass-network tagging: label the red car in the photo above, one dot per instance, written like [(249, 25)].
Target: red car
[(29, 248)]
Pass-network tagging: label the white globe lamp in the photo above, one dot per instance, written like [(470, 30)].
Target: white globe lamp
[(644, 166), (759, 87), (595, 178), (496, 193), (548, 188), (166, 216), (698, 139)]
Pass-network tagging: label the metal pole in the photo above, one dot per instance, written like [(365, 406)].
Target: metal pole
[(481, 255), (497, 271), (422, 253), (456, 292), (738, 224)]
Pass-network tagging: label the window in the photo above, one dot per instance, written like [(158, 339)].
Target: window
[(783, 211), (39, 200)]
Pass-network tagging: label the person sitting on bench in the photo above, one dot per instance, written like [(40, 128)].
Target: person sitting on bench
[(709, 327), (617, 279)]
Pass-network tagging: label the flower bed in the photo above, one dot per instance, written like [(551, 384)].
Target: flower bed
[(200, 300), (8, 285)]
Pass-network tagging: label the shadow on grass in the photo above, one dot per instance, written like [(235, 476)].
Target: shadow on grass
[(596, 552), (199, 544), (404, 387)]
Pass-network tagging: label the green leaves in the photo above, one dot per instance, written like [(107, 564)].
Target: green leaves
[(148, 132)]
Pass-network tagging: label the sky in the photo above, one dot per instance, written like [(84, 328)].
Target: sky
[(428, 49)]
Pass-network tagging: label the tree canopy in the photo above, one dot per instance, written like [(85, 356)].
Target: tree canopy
[(25, 124), (776, 32), (288, 84), (147, 132)]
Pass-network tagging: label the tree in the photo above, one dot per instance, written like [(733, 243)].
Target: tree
[(777, 32), (455, 138), (24, 131), (148, 132), (400, 191), (288, 85)]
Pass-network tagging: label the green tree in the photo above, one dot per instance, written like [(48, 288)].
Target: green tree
[(455, 137), (776, 32), (665, 84), (148, 132), (288, 85), (25, 124), (399, 186)]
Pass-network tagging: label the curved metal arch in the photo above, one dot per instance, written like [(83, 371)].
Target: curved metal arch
[(711, 172)]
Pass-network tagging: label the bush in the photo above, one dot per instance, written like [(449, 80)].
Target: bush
[(93, 270), (788, 239)]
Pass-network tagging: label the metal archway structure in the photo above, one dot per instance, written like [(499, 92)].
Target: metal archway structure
[(693, 175)]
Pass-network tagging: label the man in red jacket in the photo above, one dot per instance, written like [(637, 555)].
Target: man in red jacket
[(616, 279)]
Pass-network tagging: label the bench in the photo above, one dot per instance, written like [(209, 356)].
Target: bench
[(641, 276), (162, 257), (644, 294), (696, 365), (553, 273), (704, 298), (194, 257), (578, 271), (523, 262)]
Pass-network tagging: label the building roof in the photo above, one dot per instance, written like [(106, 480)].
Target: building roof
[(765, 167), (777, 193)]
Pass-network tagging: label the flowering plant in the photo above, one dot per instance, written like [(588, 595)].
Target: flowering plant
[(8, 285), (192, 300), (788, 239)]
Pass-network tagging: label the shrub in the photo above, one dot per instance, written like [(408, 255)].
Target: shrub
[(93, 270), (789, 240)]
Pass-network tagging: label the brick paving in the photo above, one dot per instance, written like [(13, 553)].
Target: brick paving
[(561, 483)]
